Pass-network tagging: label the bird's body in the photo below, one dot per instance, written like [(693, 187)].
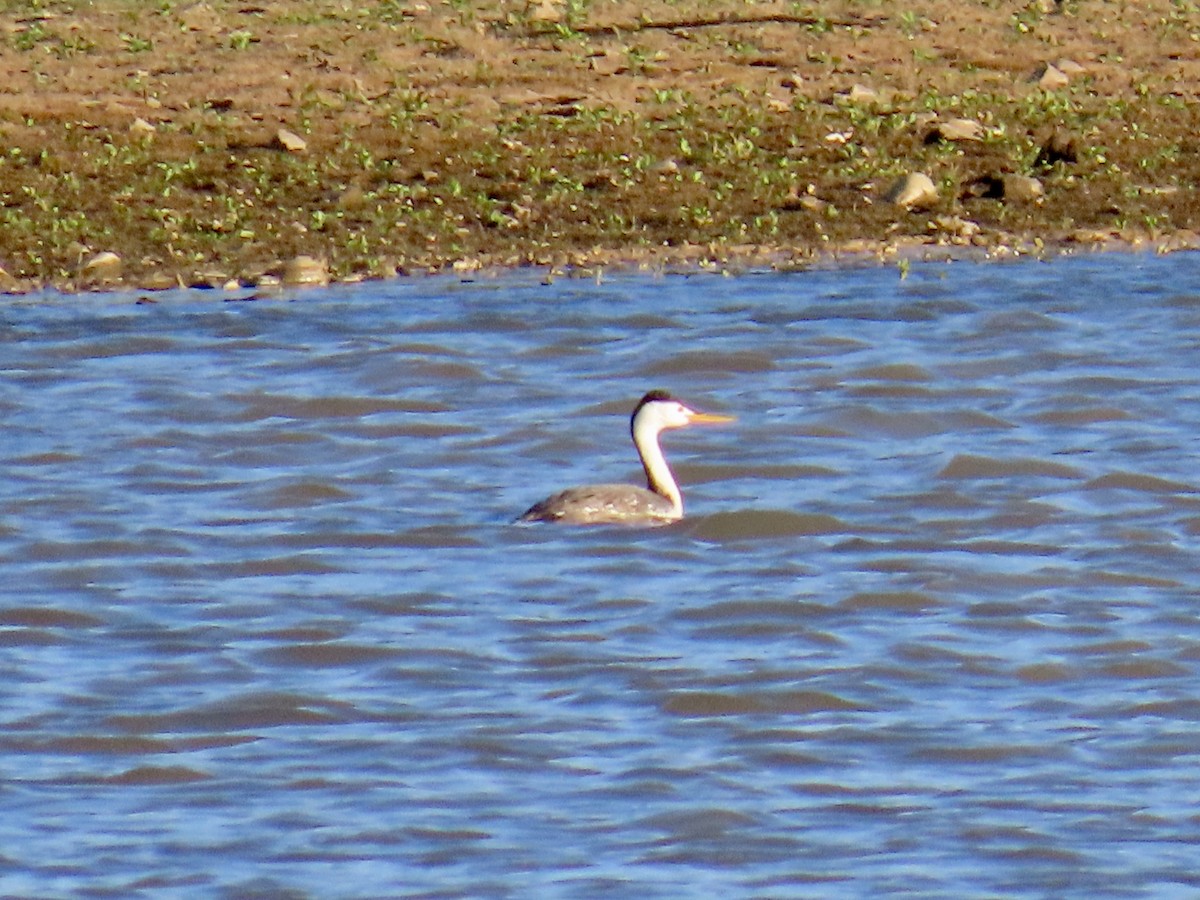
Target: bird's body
[(656, 504), (600, 503)]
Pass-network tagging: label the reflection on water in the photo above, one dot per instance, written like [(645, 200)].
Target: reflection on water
[(930, 626)]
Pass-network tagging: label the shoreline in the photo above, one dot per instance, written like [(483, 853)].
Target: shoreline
[(671, 261), (309, 142), (674, 262)]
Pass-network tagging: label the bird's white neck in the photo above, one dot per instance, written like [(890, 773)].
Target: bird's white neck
[(658, 474)]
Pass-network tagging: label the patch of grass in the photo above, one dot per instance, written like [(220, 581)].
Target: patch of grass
[(135, 43)]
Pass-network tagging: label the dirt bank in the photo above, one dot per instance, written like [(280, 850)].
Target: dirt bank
[(209, 142)]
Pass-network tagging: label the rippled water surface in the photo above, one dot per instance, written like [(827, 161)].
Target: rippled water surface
[(932, 625)]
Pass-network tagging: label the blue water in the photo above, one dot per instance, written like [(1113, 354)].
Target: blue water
[(930, 626)]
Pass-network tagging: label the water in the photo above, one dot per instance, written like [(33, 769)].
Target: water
[(930, 628)]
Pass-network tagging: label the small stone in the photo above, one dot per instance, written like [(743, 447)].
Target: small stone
[(955, 227), (601, 181), (862, 95), (806, 200), (289, 141), (8, 284), (1061, 146), (1005, 187), (158, 281), (104, 266), (955, 130), (1022, 188), (1092, 236), (305, 270), (208, 280), (1069, 67), (913, 191), (1050, 78), (547, 11), (467, 264)]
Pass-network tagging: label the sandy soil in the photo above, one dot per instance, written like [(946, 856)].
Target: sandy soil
[(155, 144)]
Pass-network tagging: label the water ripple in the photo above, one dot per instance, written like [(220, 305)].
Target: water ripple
[(929, 627)]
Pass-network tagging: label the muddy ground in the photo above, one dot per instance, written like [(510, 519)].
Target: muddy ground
[(152, 144)]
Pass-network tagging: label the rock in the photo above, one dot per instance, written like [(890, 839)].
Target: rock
[(807, 201), (1050, 78), (289, 141), (863, 95), (1061, 146), (601, 181), (1005, 187), (103, 267), (1092, 236), (546, 12), (1022, 188), (1069, 67), (8, 284), (208, 280), (305, 270), (913, 191), (955, 130), (159, 280), (955, 227)]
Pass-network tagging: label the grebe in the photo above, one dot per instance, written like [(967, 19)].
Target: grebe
[(656, 504)]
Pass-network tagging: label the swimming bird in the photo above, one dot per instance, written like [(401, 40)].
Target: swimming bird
[(656, 504)]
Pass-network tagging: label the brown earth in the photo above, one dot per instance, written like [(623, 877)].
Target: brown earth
[(140, 141)]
